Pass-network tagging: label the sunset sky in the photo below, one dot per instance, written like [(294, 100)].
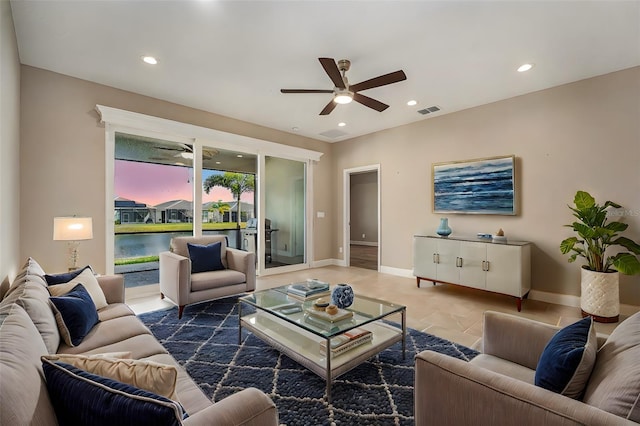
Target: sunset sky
[(154, 184)]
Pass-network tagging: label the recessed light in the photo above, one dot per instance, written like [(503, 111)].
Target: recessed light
[(342, 124), (295, 129), (150, 60), (525, 67), (239, 155), (217, 162), (412, 103)]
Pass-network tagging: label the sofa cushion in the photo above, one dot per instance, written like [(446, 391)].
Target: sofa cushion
[(90, 283), (205, 258), (118, 334), (75, 314), (80, 397), (215, 279), (566, 362), (65, 277), (114, 310), (148, 375), (31, 267), (614, 385), (33, 296), (23, 398)]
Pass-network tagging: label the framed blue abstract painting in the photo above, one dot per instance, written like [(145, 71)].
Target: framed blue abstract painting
[(480, 186)]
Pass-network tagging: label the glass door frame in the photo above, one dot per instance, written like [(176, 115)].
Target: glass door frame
[(122, 121), (308, 226)]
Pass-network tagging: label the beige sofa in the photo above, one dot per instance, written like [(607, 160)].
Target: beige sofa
[(496, 387), (183, 287), (28, 330)]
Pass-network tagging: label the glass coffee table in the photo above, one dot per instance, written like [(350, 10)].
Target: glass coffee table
[(270, 315)]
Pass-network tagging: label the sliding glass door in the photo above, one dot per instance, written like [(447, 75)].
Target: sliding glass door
[(284, 212)]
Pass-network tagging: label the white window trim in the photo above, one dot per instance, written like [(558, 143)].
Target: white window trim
[(122, 121)]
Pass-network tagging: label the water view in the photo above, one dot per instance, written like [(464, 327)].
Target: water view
[(151, 244)]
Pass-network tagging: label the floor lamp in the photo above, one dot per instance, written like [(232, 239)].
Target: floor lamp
[(72, 229)]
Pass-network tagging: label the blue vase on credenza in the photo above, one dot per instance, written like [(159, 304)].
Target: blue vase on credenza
[(342, 296), (443, 230)]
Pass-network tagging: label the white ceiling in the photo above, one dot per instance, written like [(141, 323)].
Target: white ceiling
[(233, 57)]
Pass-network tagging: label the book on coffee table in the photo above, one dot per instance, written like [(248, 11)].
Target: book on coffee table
[(309, 297), (308, 288), (341, 315), (347, 341)]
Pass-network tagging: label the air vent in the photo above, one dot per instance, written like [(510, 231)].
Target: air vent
[(333, 134), (429, 110)]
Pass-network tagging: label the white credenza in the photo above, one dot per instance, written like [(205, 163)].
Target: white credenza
[(499, 267)]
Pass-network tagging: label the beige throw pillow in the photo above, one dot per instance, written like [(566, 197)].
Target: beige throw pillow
[(89, 281), (151, 376)]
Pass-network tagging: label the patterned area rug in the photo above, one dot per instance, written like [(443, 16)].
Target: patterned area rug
[(378, 392)]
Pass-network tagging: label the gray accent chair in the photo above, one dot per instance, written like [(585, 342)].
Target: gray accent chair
[(183, 287), (497, 387)]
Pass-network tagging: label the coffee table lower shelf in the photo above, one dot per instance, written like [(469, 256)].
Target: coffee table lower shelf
[(304, 347)]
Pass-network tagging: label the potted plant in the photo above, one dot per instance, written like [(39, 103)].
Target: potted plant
[(599, 284)]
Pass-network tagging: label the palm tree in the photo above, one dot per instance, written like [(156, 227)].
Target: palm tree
[(237, 183)]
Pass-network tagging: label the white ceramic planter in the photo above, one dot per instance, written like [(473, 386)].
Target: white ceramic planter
[(600, 296)]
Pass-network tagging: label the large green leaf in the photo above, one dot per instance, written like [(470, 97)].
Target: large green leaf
[(583, 230), (583, 200), (616, 226), (628, 244), (626, 263), (568, 244)]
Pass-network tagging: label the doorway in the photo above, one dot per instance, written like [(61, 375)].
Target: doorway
[(362, 217)]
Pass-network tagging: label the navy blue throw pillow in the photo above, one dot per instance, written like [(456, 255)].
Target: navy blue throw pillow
[(75, 314), (205, 258), (53, 279), (82, 398), (568, 359)]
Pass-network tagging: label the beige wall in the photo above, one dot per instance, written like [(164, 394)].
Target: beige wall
[(63, 159), (580, 136), (9, 146)]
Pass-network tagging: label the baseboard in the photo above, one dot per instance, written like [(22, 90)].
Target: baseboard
[(556, 298), (399, 272), (328, 262), (364, 243)]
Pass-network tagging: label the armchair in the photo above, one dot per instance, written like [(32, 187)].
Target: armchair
[(497, 387), (183, 287)]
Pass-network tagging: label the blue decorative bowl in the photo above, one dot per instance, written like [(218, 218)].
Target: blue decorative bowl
[(342, 296)]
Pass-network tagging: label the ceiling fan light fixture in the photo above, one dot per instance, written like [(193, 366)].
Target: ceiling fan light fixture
[(149, 60), (343, 98), (525, 67)]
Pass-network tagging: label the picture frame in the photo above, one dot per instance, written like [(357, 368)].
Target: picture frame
[(477, 186)]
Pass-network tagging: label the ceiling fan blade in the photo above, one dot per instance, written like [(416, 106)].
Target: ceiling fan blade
[(330, 67), (305, 91), (370, 102), (330, 107), (383, 80)]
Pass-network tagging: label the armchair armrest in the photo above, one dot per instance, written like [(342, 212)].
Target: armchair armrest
[(245, 262), (449, 391), (249, 407), (113, 287), (175, 277), (514, 338)]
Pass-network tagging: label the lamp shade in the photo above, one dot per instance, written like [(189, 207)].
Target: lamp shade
[(72, 228)]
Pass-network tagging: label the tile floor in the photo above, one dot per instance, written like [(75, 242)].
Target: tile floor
[(447, 311)]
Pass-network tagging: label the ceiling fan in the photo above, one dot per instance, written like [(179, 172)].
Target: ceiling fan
[(186, 151), (344, 92)]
